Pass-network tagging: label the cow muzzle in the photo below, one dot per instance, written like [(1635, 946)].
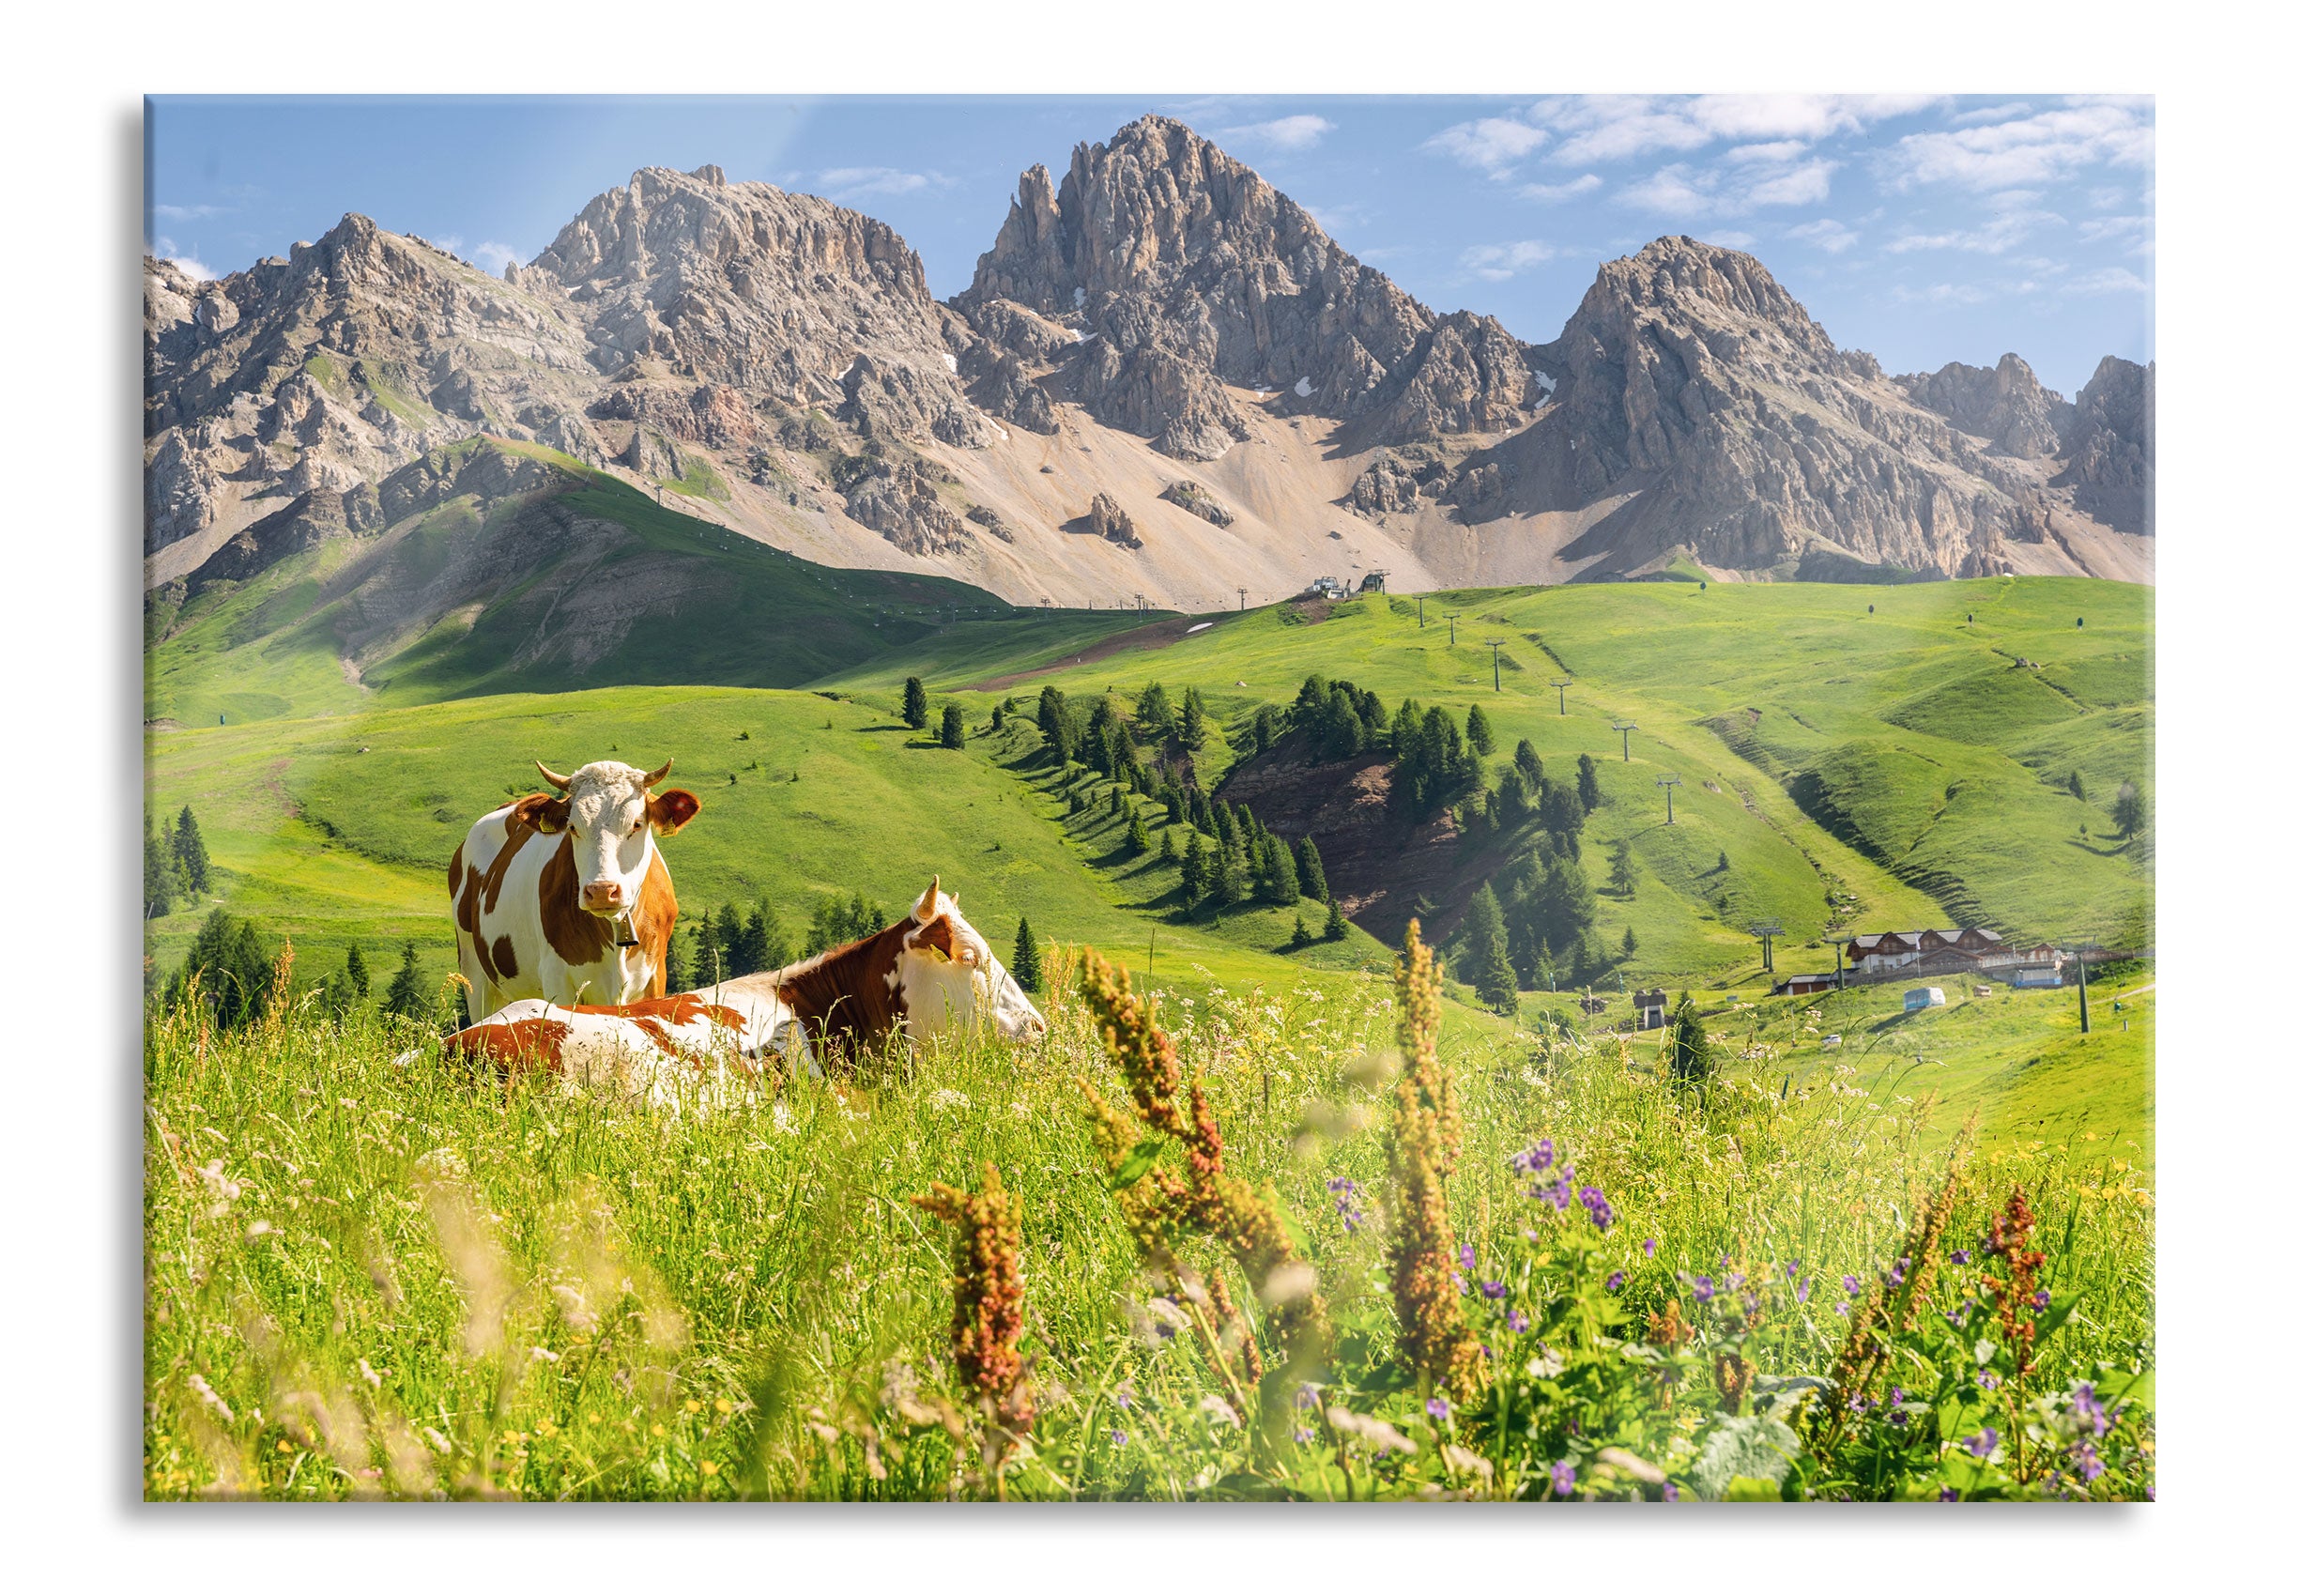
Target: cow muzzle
[(603, 898)]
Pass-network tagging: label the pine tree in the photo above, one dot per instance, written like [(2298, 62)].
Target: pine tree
[(192, 852), (735, 947), (1723, 864), (1479, 731), (1153, 712), (1266, 729), (1562, 816), (1301, 933), (1584, 784), (355, 971), (1229, 878), (1515, 803), (1167, 853), (1687, 1049), (407, 998), (1195, 869), (1335, 926), (1529, 765), (954, 726), (998, 717), (710, 958), (159, 875), (1309, 869), (1137, 838), (914, 703), (1193, 719), (2076, 785), (769, 939), (1225, 825), (1488, 964), (675, 961), (1628, 944), (1117, 802), (2130, 811), (1621, 872), (1026, 968), (1286, 885)]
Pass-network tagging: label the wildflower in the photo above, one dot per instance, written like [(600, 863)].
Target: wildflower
[(1345, 1203), (1469, 1256), (1561, 1478), (1613, 1281), (2042, 1300), (2084, 1404), (1668, 1493), (1438, 1409), (1983, 1444), (1990, 1380), (1651, 1243), (1960, 1257), (2088, 1461), (1852, 1285), (1600, 1211), (1533, 1158), (1703, 1288), (1117, 1438), (1949, 1494), (1518, 1321), (1302, 1436), (1895, 1275), (1495, 1291), (1804, 1288), (1425, 1139), (987, 1291)]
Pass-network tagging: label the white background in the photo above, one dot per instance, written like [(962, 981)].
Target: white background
[(69, 607)]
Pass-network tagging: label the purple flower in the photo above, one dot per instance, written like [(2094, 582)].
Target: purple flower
[(2042, 1300), (2085, 1404), (1795, 1264), (1302, 1436), (1495, 1291), (1460, 1284), (1438, 1409), (1668, 1493), (1897, 1274), (1989, 1380), (1518, 1321), (1852, 1285), (2088, 1461), (1561, 1478), (1117, 1438), (1651, 1243), (1749, 1304), (1948, 1493), (1613, 1281), (1600, 1211), (1122, 1399), (1703, 1288), (1345, 1203), (1804, 1288), (1469, 1256), (1304, 1397), (1841, 1310), (1960, 1257), (1535, 1157), (1980, 1446)]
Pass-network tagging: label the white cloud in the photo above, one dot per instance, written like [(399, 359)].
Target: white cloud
[(1286, 132), (2104, 228), (1807, 184), (495, 256), (1335, 219), (1730, 239), (1827, 233), (858, 180), (1623, 127), (183, 260), (1588, 183), (452, 244), (190, 212), (2109, 280), (1498, 262), (2004, 113), (1680, 189), (2045, 147), (1780, 149), (2001, 233), (1490, 144), (1939, 293)]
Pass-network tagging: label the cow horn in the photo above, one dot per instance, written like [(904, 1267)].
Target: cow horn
[(656, 774), (552, 777)]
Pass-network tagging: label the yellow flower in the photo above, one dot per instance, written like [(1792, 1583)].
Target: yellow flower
[(283, 1446), (723, 1406), (694, 1407), (659, 1430), (707, 1467)]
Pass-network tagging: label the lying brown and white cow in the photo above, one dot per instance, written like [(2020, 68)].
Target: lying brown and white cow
[(929, 974), (584, 918)]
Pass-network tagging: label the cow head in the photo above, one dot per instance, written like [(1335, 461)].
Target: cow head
[(949, 977), (610, 817)]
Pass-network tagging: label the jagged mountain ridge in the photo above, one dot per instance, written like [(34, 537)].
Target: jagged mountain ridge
[(1163, 330)]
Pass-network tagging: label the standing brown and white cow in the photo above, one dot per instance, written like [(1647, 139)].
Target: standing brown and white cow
[(567, 898)]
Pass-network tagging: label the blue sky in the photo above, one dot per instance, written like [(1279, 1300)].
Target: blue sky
[(1925, 229)]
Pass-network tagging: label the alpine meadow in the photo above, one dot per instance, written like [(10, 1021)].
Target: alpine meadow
[(1591, 903)]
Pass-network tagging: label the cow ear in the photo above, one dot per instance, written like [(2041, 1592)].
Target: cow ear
[(539, 811), (669, 811)]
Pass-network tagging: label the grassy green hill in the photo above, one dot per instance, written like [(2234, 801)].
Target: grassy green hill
[(1904, 759)]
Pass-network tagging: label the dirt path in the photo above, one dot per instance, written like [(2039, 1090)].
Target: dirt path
[(1157, 635)]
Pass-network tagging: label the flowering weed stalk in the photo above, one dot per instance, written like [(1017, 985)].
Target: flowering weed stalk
[(986, 1323), (1425, 1139)]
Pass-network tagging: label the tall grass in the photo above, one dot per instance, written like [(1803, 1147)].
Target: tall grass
[(373, 1279)]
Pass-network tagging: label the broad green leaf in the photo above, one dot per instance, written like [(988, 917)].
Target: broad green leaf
[(1138, 1162)]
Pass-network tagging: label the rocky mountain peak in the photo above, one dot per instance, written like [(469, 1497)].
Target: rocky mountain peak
[(2110, 446), (1192, 272), (2006, 405)]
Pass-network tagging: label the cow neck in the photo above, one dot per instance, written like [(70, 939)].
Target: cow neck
[(850, 994), (576, 935)]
